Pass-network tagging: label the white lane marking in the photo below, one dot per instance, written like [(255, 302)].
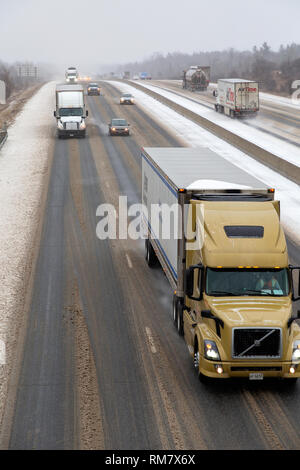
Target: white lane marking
[(129, 261), (151, 341)]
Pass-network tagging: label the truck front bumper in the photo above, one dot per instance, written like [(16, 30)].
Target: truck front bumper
[(71, 133), (244, 369)]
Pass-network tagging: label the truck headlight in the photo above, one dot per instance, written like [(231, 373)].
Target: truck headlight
[(82, 125), (211, 351), (60, 124), (296, 351)]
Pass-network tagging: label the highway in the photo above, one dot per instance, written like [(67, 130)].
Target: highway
[(103, 366), (274, 119)]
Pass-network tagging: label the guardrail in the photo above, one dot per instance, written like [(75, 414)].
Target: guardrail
[(3, 135), (269, 159)]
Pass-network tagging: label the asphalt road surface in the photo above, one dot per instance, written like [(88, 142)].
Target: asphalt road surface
[(103, 366)]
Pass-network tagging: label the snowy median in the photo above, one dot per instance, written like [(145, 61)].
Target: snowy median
[(24, 165), (193, 135)]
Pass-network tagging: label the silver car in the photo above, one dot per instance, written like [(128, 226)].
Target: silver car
[(127, 98)]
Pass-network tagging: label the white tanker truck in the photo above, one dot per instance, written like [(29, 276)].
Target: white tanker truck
[(196, 78)]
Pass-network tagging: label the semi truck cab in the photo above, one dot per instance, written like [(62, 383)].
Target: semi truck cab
[(237, 318)]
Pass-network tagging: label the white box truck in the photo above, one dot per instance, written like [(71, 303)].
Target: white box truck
[(236, 97), (70, 111), (216, 232)]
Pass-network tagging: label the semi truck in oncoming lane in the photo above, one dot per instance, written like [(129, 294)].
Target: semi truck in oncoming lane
[(236, 97), (216, 232), (71, 75), (70, 111)]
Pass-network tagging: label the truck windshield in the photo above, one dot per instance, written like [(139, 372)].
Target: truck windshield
[(63, 112), (262, 282)]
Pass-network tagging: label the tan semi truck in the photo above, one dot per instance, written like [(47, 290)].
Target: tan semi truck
[(216, 232)]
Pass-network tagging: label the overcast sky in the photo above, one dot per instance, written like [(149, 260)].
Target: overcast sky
[(94, 32)]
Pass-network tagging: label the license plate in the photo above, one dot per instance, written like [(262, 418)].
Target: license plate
[(256, 376)]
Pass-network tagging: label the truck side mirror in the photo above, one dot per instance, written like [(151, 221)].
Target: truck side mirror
[(54, 113), (87, 113), (295, 288), (190, 278)]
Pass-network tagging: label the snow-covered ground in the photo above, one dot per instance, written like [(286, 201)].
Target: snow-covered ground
[(24, 162), (284, 150), (194, 135)]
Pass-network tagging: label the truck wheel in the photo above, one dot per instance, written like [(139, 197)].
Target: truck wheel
[(150, 255), (178, 315), (201, 377)]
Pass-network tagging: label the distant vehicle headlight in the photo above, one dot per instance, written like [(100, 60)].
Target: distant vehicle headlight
[(82, 125), (296, 351), (60, 124), (126, 129), (113, 128), (122, 99), (211, 351)]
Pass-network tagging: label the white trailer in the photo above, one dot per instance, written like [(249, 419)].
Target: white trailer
[(171, 177), (237, 97), (70, 110)]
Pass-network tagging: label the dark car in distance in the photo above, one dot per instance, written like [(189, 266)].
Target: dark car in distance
[(93, 89), (118, 126)]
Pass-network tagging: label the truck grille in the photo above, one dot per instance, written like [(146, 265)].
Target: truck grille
[(71, 126), (256, 343)]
